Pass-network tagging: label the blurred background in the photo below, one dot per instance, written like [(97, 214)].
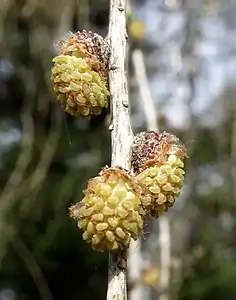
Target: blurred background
[(46, 156)]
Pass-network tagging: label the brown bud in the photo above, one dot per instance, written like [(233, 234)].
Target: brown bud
[(92, 47), (151, 147)]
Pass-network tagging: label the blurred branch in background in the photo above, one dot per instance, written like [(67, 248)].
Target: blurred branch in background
[(66, 18), (9, 193), (35, 181), (151, 116), (20, 185), (32, 266), (135, 255), (23, 160), (30, 186), (233, 149)]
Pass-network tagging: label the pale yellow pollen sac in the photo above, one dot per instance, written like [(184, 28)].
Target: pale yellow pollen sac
[(98, 205), (128, 205), (146, 201), (161, 199), (125, 224), (162, 179), (120, 233), (98, 217), (89, 200), (112, 202), (86, 77), (86, 89), (144, 174), (82, 211), (86, 236), (136, 203), (105, 191), (110, 236), (172, 158), (179, 171), (133, 217), (88, 212), (127, 240), (97, 186), (75, 87), (167, 187), (171, 199), (96, 239), (153, 171), (92, 100), (180, 163), (166, 169), (175, 161), (80, 99), (69, 109), (76, 75), (121, 212), (114, 246), (57, 79), (96, 77), (140, 222), (174, 178), (154, 189), (101, 226), (113, 222), (176, 191), (64, 89), (101, 101), (65, 77), (133, 228), (119, 192), (82, 224), (148, 181), (108, 211), (54, 70), (84, 111), (90, 227), (95, 88), (131, 197), (70, 102)]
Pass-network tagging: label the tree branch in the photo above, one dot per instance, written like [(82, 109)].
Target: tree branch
[(121, 133)]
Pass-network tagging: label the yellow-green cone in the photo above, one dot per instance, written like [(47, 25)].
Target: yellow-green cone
[(80, 90), (110, 214), (164, 183), (158, 162), (80, 74)]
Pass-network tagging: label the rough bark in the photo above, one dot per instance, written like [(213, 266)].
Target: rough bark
[(121, 133)]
